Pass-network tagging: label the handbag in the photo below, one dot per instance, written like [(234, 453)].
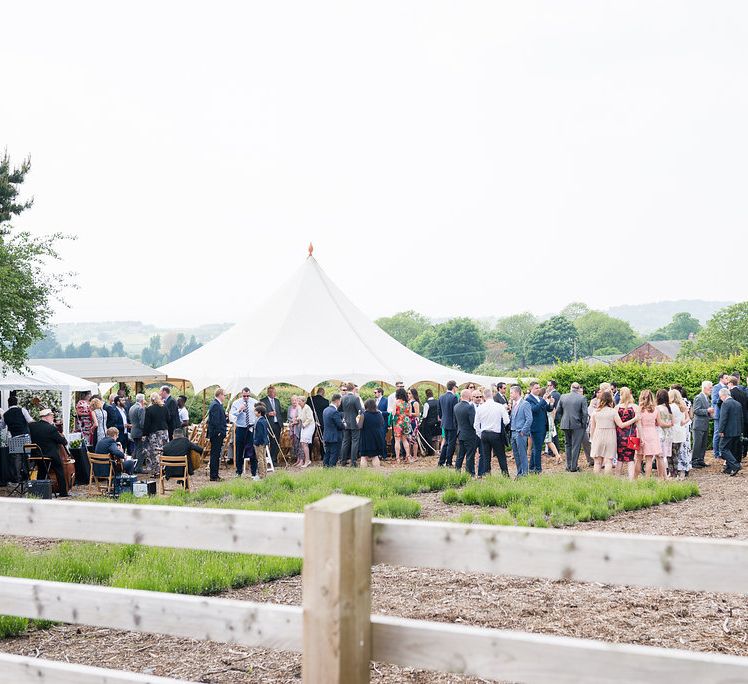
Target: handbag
[(634, 443), (360, 421)]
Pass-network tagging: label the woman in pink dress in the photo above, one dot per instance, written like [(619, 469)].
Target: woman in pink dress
[(650, 446), (605, 419)]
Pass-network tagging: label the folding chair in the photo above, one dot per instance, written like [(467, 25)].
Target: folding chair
[(173, 462), (100, 464)]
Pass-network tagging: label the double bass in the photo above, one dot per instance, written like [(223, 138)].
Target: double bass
[(68, 467)]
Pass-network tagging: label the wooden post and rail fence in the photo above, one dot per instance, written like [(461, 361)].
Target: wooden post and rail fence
[(334, 629)]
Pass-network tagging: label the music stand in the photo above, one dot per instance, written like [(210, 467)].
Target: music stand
[(34, 460)]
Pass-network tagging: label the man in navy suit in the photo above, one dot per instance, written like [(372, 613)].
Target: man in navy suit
[(464, 416), (332, 431), (447, 403), (730, 430), (382, 408), (540, 409), (216, 432)]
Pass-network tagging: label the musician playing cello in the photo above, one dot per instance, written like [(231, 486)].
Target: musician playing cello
[(45, 435)]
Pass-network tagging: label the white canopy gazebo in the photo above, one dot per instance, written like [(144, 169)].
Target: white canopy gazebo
[(266, 347), (41, 378)]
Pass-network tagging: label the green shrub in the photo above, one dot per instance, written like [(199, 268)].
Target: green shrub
[(560, 500), (639, 376)]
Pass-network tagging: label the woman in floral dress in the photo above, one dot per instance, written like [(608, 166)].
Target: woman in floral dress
[(401, 425), (626, 455)]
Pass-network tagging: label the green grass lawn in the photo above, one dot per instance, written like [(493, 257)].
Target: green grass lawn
[(559, 500), (291, 492), (556, 500)]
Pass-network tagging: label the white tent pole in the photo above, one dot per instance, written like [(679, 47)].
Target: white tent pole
[(66, 393)]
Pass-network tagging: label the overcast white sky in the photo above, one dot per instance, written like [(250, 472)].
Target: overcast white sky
[(588, 151)]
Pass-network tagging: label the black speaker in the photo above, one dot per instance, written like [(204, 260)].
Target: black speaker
[(41, 489)]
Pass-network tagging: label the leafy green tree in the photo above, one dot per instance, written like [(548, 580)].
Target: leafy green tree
[(151, 355), (725, 333), (680, 328), (575, 310), (27, 283), (118, 349), (70, 352), (457, 343), (553, 340), (598, 330), (515, 331), (422, 344), (46, 348), (404, 326), (191, 345)]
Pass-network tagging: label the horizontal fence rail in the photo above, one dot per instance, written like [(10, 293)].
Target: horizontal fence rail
[(209, 529), (524, 657), (686, 563), (23, 670), (260, 625)]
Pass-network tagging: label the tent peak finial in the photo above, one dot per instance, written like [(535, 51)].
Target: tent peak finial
[(311, 248)]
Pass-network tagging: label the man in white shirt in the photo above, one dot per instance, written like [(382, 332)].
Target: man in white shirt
[(391, 398), (242, 413), (491, 419)]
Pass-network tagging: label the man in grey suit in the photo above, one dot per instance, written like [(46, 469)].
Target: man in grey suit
[(136, 416), (351, 406), (572, 411), (702, 414)]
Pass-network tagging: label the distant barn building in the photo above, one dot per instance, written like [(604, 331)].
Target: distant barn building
[(656, 351), (606, 359)]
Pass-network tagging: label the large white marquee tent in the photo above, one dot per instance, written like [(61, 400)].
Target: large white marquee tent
[(307, 333)]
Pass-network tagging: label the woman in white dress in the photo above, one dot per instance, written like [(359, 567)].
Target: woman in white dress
[(306, 416), (680, 461)]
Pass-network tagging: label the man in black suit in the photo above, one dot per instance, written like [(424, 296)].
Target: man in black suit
[(446, 406), (172, 410), (739, 394), (730, 431), (216, 432), (180, 446), (352, 408), (319, 404), (500, 396), (464, 416), (115, 418), (45, 435), (274, 417)]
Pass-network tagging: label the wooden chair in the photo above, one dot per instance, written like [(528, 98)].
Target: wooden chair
[(103, 484), (228, 450), (36, 460), (173, 462)]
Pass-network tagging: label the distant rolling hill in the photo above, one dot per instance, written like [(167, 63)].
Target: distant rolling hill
[(646, 318)]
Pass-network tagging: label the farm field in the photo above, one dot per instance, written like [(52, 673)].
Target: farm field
[(709, 622)]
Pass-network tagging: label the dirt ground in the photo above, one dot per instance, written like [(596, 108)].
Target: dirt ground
[(687, 620)]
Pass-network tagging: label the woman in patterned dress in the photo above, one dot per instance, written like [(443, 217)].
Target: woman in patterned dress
[(84, 420), (664, 431), (155, 431), (401, 424), (627, 410), (681, 458), (294, 430), (605, 420)]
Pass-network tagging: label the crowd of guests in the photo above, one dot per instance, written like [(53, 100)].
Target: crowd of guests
[(665, 430), (621, 434)]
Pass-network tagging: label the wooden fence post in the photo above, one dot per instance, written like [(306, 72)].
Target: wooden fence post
[(336, 583)]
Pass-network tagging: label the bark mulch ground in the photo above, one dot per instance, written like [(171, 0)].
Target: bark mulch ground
[(687, 620)]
